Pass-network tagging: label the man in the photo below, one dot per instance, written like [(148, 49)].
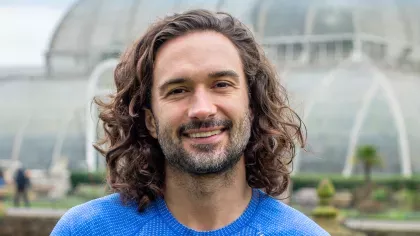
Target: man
[(198, 138), (22, 183)]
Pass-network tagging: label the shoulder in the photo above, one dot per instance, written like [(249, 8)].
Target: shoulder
[(106, 215), (274, 217)]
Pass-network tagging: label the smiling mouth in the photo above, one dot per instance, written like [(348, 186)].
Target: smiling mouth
[(203, 134)]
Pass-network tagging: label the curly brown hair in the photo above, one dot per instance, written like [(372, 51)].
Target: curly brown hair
[(135, 162)]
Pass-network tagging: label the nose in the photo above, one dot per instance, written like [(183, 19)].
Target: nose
[(201, 106)]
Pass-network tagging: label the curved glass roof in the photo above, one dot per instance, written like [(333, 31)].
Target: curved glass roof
[(94, 30), (282, 17), (332, 20), (331, 114), (46, 118), (36, 116), (94, 25), (141, 18)]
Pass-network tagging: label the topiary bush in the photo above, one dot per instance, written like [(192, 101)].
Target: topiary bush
[(325, 191), (327, 212)]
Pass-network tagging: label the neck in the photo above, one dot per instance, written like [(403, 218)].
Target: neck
[(210, 202)]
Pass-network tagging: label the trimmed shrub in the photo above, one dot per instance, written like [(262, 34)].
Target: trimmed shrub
[(328, 212), (92, 178), (325, 192), (393, 183)]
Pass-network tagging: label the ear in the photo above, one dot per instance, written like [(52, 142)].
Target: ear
[(251, 113), (150, 122)]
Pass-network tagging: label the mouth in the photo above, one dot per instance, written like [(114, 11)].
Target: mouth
[(203, 133), (205, 136)]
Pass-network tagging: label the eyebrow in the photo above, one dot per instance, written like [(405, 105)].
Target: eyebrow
[(216, 74), (224, 73), (170, 82)]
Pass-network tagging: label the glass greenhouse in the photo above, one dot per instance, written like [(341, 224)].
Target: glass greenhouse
[(351, 68)]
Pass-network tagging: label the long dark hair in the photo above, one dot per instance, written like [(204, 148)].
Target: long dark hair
[(135, 160)]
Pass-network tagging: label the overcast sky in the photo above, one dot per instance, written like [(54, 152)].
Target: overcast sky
[(25, 29)]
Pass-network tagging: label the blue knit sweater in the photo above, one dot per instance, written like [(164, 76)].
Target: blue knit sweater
[(108, 216)]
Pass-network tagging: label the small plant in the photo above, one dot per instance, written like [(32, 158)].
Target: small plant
[(325, 193), (368, 156), (380, 195), (325, 212)]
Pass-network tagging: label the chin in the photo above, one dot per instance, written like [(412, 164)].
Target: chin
[(210, 171)]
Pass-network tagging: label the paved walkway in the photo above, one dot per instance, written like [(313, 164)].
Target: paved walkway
[(383, 225)]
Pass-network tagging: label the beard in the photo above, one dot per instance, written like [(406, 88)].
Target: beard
[(204, 159)]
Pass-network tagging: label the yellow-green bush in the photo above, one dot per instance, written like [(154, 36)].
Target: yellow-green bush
[(325, 212)]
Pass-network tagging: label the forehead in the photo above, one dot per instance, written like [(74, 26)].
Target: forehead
[(196, 53)]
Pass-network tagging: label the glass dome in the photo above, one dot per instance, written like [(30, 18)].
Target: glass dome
[(355, 104), (344, 103), (41, 120), (94, 30)]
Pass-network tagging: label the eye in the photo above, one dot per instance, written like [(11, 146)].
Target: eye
[(177, 91), (222, 85)]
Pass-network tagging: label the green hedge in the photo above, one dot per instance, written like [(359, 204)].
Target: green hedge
[(340, 182), (299, 181), (81, 177)]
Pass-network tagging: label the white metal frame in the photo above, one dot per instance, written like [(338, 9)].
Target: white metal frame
[(91, 114), (313, 98), (17, 142), (397, 114), (58, 145)]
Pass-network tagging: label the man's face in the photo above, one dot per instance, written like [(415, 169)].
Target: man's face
[(200, 103)]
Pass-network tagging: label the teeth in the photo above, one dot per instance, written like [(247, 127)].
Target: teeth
[(204, 134)]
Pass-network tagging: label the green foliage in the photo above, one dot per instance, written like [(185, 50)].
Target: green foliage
[(405, 199), (370, 206), (80, 177), (325, 212), (391, 214), (380, 195), (369, 158), (367, 155), (340, 182), (325, 189), (64, 203), (416, 200), (90, 192)]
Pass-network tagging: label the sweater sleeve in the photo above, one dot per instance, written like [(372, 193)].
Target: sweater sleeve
[(63, 226), (76, 221)]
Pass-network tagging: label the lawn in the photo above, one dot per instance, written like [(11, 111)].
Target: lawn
[(65, 203), (391, 214)]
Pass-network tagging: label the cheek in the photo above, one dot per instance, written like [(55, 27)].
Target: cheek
[(236, 106), (170, 118), (235, 111)]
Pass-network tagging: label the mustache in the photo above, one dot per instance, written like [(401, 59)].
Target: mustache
[(196, 124)]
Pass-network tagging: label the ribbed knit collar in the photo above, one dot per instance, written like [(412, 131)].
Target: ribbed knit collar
[(232, 228)]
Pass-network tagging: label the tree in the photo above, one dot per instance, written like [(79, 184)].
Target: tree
[(368, 156)]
